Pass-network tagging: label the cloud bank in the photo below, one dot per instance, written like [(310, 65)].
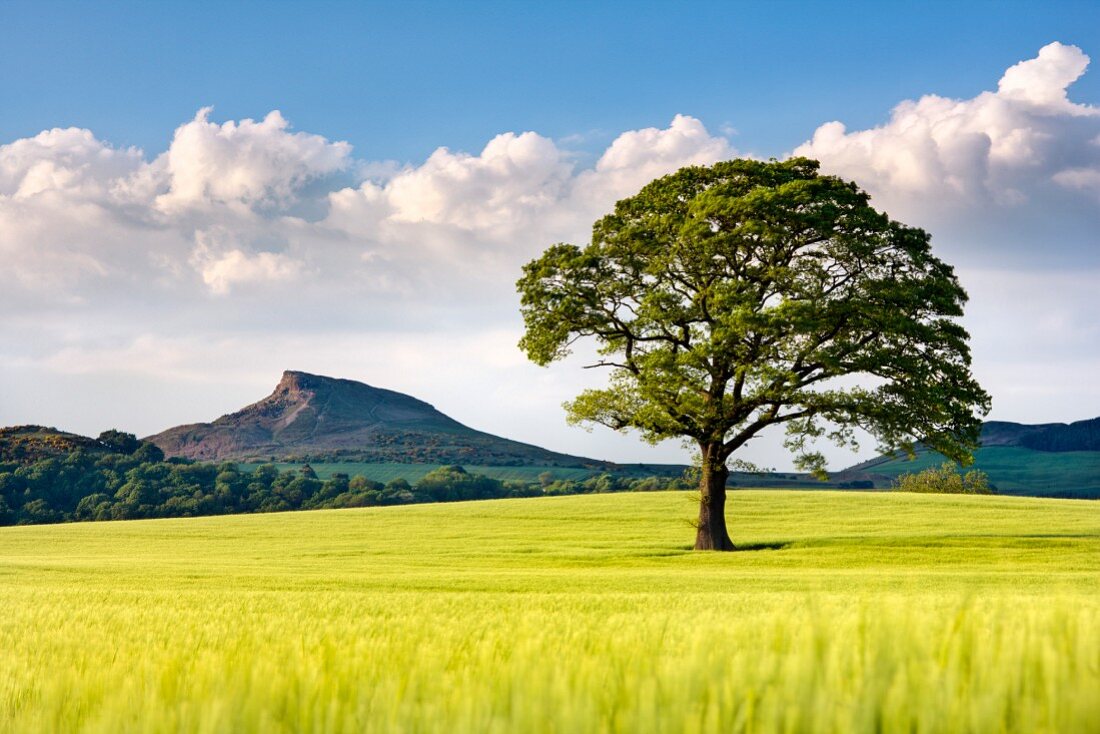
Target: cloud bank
[(241, 204)]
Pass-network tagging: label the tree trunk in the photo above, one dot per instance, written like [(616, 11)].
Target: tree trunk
[(711, 531)]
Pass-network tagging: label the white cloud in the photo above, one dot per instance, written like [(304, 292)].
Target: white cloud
[(246, 164), (235, 267), (637, 157), (1085, 179), (67, 162), (1042, 81), (523, 181), (513, 178), (252, 204), (482, 215), (938, 158)]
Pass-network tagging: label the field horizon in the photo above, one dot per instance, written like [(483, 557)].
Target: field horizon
[(846, 611)]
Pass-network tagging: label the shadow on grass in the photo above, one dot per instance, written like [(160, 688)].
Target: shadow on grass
[(738, 547), (774, 545)]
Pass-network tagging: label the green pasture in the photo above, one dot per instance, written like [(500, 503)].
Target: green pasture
[(1018, 470), (845, 612)]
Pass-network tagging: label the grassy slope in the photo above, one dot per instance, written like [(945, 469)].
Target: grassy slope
[(870, 612), (1018, 470)]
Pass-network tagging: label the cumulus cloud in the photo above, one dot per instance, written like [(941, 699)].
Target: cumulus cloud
[(81, 221), (638, 156), (523, 185), (224, 207), (221, 272), (939, 158), (1041, 82), (243, 164), (513, 178), (1084, 179), (64, 162)]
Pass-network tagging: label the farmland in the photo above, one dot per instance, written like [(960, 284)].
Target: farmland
[(845, 612)]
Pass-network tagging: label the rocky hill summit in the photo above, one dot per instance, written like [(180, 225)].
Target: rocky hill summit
[(315, 417)]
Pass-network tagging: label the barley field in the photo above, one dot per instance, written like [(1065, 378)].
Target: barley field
[(845, 612)]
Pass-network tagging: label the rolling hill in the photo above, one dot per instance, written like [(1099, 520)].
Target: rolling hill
[(1045, 460), (27, 444), (324, 418)]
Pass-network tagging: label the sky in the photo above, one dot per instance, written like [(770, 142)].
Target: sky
[(197, 196)]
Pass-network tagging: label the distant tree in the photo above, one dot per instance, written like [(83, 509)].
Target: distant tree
[(562, 486), (119, 442), (38, 511), (266, 473), (749, 294), (89, 507), (945, 479), (453, 483), (522, 489), (148, 453), (359, 483), (397, 492)]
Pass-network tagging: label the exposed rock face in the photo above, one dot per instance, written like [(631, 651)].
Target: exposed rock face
[(311, 415)]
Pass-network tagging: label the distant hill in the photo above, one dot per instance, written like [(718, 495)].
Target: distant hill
[(1043, 460), (1052, 437), (324, 418), (28, 444)]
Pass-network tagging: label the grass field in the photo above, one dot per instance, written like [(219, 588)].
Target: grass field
[(1018, 470), (849, 612)]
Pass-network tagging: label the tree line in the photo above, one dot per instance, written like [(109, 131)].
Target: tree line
[(133, 480)]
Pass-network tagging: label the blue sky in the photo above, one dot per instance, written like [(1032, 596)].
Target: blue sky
[(197, 196), (398, 80)]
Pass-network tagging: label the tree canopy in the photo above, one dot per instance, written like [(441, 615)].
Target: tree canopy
[(748, 294)]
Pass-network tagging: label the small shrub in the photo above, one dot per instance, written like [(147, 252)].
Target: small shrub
[(946, 479)]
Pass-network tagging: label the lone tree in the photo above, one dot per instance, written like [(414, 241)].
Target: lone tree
[(748, 294)]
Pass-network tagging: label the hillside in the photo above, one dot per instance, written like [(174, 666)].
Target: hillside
[(315, 417), (1044, 460), (1011, 469), (1051, 437), (27, 444)]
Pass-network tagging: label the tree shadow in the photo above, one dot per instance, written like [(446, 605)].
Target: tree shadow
[(737, 547), (772, 545)]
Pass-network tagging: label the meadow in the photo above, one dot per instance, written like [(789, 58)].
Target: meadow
[(846, 611)]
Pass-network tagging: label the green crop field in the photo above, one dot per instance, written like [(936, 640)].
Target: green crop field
[(1018, 470), (847, 612)]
